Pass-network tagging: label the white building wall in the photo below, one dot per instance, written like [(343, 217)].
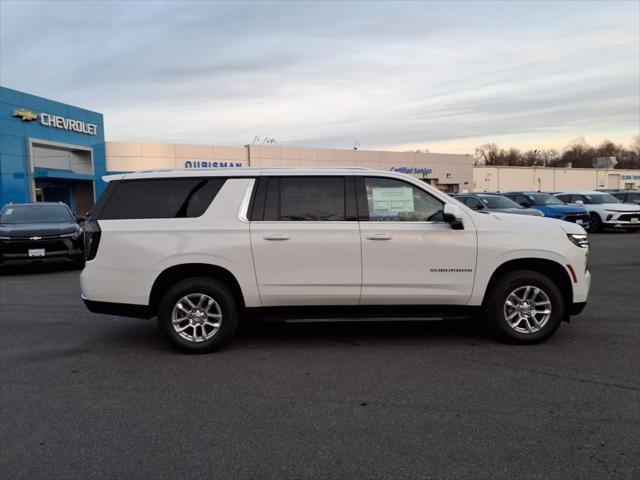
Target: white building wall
[(504, 179), (448, 171)]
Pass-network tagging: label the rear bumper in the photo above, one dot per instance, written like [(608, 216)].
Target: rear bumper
[(118, 309)]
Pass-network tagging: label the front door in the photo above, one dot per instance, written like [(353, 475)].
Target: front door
[(409, 254), (306, 241)]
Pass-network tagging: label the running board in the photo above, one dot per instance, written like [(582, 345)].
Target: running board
[(373, 319), (362, 313)]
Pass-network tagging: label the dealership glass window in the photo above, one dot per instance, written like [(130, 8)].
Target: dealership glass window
[(160, 198), (397, 201), (305, 199)]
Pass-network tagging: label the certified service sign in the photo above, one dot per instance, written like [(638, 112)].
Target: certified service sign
[(56, 121)]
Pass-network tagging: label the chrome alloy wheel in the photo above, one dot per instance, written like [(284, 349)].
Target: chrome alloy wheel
[(196, 317), (527, 309)]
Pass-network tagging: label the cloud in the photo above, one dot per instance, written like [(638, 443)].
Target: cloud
[(330, 74)]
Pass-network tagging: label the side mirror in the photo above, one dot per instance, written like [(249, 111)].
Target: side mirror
[(453, 216), (80, 218), (579, 202), (525, 204)]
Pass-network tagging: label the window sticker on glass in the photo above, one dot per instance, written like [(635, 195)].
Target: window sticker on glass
[(396, 199)]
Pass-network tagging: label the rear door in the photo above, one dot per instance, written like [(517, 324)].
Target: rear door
[(409, 254), (306, 241)]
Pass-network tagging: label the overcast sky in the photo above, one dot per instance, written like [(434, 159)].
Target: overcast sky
[(442, 76)]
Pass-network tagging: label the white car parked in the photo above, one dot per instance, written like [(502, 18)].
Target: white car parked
[(605, 210), (200, 249)]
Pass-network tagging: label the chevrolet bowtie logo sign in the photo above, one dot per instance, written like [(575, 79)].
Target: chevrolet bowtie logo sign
[(56, 121), (35, 238), (25, 115)]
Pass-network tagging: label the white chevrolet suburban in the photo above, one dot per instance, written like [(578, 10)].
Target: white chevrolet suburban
[(201, 249)]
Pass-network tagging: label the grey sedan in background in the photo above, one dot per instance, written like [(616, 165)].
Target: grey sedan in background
[(493, 202)]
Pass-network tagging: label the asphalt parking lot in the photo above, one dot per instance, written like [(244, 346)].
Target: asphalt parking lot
[(87, 396)]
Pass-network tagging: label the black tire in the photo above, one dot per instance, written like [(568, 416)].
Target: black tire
[(496, 311), (596, 222), (224, 301)]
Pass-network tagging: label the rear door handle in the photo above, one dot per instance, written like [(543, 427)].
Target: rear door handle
[(276, 236), (379, 236)]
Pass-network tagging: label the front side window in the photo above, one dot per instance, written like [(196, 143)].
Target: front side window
[(306, 199), (396, 201), (160, 198)]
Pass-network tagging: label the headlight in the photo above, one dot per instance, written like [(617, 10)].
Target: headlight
[(5, 238), (579, 239)]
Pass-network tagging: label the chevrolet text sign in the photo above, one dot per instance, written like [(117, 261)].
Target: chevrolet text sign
[(68, 124), (56, 121)]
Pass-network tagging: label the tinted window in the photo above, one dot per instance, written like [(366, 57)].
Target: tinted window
[(397, 201), (543, 199), (160, 198), (17, 214), (305, 199), (599, 198), (474, 203), (497, 201)]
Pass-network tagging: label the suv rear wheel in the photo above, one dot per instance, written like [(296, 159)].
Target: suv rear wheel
[(525, 307), (198, 315)]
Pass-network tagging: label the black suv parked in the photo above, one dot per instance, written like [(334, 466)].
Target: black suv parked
[(627, 196), (39, 232)]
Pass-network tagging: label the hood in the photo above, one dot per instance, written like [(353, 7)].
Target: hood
[(523, 222), (36, 229), (518, 211), (621, 207), (563, 208)]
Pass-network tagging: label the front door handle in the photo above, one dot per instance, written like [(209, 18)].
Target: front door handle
[(276, 236), (379, 236)]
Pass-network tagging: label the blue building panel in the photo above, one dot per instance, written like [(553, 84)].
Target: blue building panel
[(16, 182)]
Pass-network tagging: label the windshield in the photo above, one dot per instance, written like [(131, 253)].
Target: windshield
[(497, 201), (15, 214), (601, 198), (543, 199)]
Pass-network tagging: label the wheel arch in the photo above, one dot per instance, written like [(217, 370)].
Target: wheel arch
[(550, 268), (171, 275)]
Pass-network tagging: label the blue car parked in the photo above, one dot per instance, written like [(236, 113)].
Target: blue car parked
[(551, 206)]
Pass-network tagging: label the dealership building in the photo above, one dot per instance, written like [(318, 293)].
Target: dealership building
[(50, 151)]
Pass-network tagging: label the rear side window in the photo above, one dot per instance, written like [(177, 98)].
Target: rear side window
[(305, 199), (160, 198)]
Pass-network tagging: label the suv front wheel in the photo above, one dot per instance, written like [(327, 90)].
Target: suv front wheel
[(525, 307), (198, 315)]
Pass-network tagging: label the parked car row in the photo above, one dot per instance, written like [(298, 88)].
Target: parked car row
[(594, 210)]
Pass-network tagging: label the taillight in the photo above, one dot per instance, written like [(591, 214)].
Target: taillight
[(91, 239)]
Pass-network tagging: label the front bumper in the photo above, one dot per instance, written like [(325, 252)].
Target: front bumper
[(622, 220), (581, 219), (20, 251)]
